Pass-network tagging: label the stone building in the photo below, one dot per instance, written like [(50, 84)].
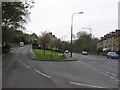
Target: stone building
[(110, 42)]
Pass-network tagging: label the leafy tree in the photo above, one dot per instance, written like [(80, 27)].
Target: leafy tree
[(14, 15), (66, 45), (84, 42)]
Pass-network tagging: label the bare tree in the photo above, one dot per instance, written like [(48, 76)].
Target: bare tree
[(44, 40), (47, 40)]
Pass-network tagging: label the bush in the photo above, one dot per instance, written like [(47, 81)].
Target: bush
[(35, 45), (6, 48)]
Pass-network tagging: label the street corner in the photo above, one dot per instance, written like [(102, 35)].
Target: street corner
[(32, 56), (67, 58)]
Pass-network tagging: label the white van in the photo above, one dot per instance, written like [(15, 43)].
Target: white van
[(21, 44)]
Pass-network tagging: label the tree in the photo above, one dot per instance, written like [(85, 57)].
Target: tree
[(14, 15), (49, 41), (66, 45), (84, 42), (44, 40), (56, 44)]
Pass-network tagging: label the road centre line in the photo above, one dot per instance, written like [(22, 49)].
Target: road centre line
[(26, 65), (115, 62), (93, 86), (111, 74), (114, 75), (99, 70), (41, 73), (107, 74), (102, 71)]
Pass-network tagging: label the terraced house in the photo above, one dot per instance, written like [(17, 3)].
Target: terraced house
[(110, 42)]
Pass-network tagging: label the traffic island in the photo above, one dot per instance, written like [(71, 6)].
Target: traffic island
[(49, 56)]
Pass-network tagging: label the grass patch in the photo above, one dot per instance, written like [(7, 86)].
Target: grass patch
[(48, 54), (11, 48)]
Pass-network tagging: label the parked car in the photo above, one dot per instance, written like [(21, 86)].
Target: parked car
[(66, 51), (21, 44), (112, 55), (84, 53)]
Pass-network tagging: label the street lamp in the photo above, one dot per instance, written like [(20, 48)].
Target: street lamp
[(90, 31), (90, 35), (72, 29)]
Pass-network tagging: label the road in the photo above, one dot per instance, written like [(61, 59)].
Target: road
[(19, 71)]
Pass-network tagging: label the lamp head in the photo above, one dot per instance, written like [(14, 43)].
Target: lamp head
[(80, 13)]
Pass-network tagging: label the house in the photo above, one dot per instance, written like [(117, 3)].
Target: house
[(110, 42)]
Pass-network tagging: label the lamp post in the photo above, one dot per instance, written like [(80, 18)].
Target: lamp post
[(72, 30), (90, 35), (63, 44)]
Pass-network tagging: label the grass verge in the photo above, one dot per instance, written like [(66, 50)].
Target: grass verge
[(48, 54)]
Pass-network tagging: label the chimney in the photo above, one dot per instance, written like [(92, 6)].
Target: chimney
[(50, 33)]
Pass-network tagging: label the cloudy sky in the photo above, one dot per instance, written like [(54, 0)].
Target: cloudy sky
[(55, 16)]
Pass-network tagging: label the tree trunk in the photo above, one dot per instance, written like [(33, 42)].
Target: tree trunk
[(44, 50)]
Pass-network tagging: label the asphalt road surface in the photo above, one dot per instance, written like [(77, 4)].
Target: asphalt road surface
[(19, 71)]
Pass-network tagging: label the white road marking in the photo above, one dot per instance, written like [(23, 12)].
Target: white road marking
[(118, 80), (42, 73), (107, 72), (34, 69), (115, 62), (19, 61), (93, 86), (101, 71), (114, 75), (111, 77), (26, 65)]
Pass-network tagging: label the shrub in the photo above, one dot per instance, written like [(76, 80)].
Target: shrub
[(35, 45), (6, 48)]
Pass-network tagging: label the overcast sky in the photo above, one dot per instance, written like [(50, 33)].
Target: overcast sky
[(55, 16)]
